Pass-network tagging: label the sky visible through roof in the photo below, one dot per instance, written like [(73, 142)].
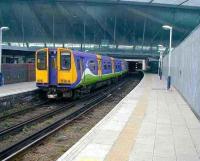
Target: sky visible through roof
[(194, 3)]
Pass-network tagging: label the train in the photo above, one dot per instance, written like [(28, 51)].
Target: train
[(62, 72)]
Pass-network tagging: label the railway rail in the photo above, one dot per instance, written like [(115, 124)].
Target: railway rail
[(33, 120), (20, 112), (58, 109), (22, 145)]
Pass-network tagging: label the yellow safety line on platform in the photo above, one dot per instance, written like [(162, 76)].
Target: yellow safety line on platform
[(124, 144), (88, 159)]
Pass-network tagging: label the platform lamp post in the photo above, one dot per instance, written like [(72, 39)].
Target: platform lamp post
[(160, 69), (1, 34), (166, 27)]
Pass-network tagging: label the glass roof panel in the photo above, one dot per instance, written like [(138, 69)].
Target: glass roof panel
[(173, 2), (101, 0), (192, 3)]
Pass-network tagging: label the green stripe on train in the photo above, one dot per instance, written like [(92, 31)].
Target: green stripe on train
[(90, 79)]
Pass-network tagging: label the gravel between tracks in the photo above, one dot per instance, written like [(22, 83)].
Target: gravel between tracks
[(54, 146)]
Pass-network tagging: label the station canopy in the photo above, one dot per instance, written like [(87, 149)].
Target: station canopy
[(122, 23)]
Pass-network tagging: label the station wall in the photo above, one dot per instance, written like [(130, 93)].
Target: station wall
[(15, 73), (185, 69)]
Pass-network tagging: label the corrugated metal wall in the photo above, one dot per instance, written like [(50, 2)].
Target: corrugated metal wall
[(185, 70), (15, 73)]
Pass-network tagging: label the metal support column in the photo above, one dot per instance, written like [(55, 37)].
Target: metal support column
[(1, 75), (0, 49), (53, 26), (170, 52), (144, 31), (84, 34), (115, 30), (1, 34)]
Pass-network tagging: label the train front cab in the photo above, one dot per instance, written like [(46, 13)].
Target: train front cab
[(67, 72), (55, 71), (46, 68)]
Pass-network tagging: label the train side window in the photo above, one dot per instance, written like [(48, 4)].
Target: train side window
[(42, 60), (105, 66), (65, 60), (109, 66), (92, 65)]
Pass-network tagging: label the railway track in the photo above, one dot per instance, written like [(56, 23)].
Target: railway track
[(34, 120), (77, 111), (20, 112), (58, 109)]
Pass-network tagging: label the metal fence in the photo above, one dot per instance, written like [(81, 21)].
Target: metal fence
[(15, 73), (185, 69)]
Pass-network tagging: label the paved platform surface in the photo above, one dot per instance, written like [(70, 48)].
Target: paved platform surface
[(149, 124), (17, 88)]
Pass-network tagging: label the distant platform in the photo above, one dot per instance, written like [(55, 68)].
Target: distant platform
[(17, 88), (149, 124)]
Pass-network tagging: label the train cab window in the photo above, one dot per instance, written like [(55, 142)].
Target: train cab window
[(65, 60), (42, 60)]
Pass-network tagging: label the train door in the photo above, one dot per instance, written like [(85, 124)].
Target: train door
[(100, 68), (113, 65), (52, 68), (82, 69)]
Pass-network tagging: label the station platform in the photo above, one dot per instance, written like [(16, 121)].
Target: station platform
[(149, 124), (17, 88)]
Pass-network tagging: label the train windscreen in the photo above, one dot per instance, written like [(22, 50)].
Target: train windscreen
[(65, 60), (41, 60)]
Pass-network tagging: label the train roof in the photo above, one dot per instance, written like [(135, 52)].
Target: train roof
[(94, 54), (84, 53)]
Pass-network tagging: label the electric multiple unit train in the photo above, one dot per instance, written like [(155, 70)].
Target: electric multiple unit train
[(62, 72)]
